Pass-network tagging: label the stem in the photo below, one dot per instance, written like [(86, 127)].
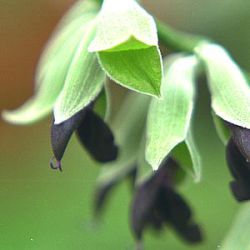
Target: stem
[(176, 40)]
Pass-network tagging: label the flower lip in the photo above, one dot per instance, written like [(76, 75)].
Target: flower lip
[(157, 203), (97, 138)]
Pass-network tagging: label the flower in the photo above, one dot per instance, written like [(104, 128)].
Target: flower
[(69, 82), (92, 132), (156, 203), (238, 157)]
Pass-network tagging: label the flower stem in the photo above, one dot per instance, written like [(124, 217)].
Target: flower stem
[(177, 40)]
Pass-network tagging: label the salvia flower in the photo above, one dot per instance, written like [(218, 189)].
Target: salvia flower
[(156, 203), (92, 132), (231, 112), (70, 82)]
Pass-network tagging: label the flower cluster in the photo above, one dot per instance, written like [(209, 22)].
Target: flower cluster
[(156, 203), (152, 129)]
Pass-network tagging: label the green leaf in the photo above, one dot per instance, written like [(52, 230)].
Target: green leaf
[(128, 128), (127, 46), (169, 118), (84, 80), (138, 70), (227, 83), (51, 73), (238, 236), (222, 130)]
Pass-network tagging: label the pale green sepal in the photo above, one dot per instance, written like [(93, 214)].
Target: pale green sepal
[(238, 236), (228, 85), (84, 80), (80, 13), (169, 118), (127, 46), (222, 130), (53, 65), (119, 21), (78, 9), (128, 128), (51, 82)]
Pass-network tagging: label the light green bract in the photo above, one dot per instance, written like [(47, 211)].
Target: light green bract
[(169, 119), (127, 46), (65, 62), (229, 87), (83, 82)]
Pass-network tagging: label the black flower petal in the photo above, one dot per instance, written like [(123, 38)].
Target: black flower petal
[(98, 139), (240, 169), (175, 211), (61, 133), (146, 196), (156, 203), (241, 137), (101, 195), (143, 207)]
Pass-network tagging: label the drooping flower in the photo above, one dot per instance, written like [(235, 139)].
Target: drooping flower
[(93, 133), (69, 83), (157, 203)]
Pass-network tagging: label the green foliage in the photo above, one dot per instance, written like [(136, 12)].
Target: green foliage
[(54, 66), (169, 118), (127, 45)]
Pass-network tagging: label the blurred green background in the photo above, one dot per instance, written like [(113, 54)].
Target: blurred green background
[(46, 210)]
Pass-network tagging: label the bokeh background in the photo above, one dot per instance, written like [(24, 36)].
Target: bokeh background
[(42, 209)]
